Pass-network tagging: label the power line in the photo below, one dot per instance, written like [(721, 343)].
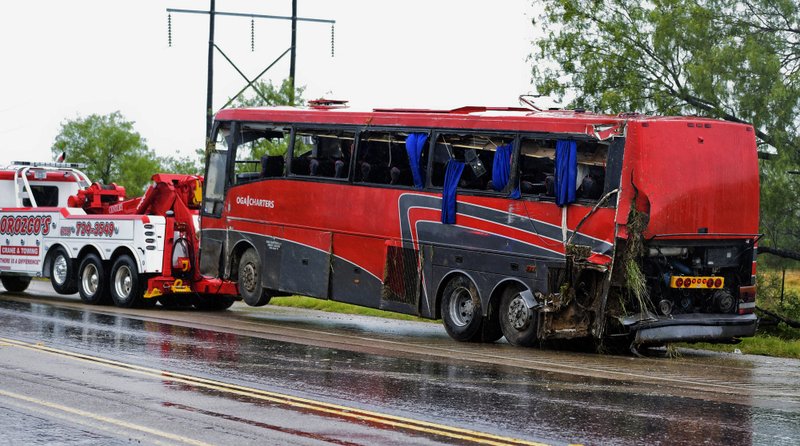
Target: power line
[(212, 13)]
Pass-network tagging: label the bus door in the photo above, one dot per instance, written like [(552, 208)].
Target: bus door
[(213, 233)]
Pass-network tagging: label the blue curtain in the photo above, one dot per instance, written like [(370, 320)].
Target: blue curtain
[(415, 142), (501, 170), (451, 178), (566, 172)]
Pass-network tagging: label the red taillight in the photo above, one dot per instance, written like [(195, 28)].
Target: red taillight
[(678, 282), (718, 283), (687, 282)]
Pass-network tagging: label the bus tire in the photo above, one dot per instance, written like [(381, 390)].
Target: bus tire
[(490, 328), (210, 302), (249, 280), (461, 310), (62, 272), (15, 284), (126, 284), (93, 281), (518, 322)]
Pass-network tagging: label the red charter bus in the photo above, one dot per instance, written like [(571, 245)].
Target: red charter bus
[(533, 225)]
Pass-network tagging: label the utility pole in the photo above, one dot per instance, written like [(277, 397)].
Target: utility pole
[(210, 88), (293, 56)]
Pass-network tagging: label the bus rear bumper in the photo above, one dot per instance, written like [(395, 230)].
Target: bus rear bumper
[(694, 328)]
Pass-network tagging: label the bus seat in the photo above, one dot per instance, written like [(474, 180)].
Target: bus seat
[(313, 167), (394, 175), (338, 169), (272, 166), (365, 170), (590, 187)]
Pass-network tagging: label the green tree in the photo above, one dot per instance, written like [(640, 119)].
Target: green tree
[(183, 164), (729, 59), (268, 95), (111, 150), (737, 60)]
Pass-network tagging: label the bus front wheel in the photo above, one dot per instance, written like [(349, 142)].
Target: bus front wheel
[(461, 310), (249, 281)]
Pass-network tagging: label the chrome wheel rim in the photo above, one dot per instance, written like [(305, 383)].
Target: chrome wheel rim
[(123, 281), (90, 279), (462, 308), (60, 270)]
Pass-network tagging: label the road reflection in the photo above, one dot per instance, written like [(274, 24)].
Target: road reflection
[(553, 407)]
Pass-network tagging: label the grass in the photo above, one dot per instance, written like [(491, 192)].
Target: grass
[(339, 307), (761, 344)]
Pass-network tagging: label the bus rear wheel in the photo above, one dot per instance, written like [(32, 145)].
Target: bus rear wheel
[(15, 284), (518, 322), (126, 284), (249, 281), (62, 272), (461, 310), (92, 280)]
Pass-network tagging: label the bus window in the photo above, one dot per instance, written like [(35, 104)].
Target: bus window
[(475, 151), (322, 153), (260, 152), (537, 168), (383, 159)]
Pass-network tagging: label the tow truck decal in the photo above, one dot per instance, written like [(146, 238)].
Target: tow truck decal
[(25, 225)]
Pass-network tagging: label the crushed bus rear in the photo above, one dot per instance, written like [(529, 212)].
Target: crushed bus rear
[(688, 230)]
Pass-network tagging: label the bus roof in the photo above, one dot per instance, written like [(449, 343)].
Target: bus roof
[(468, 117)]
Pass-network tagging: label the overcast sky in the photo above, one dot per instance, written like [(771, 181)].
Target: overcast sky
[(64, 59)]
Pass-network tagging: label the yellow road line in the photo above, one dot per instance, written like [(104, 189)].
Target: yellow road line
[(302, 403), (103, 419)]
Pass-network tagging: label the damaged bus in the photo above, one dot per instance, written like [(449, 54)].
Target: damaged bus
[(503, 222)]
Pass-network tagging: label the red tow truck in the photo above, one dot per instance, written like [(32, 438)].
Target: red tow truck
[(87, 238)]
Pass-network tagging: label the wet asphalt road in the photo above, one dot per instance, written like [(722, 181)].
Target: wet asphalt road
[(283, 376)]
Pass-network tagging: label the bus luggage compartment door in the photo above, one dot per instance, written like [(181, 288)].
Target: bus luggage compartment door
[(305, 262)]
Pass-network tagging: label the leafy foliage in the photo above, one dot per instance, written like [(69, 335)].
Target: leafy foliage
[(184, 164), (729, 59), (269, 95), (111, 150)]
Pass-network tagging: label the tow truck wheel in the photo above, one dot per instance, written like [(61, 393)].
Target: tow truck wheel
[(461, 310), (92, 283), (518, 322), (15, 284), (62, 272), (126, 286), (249, 283)]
